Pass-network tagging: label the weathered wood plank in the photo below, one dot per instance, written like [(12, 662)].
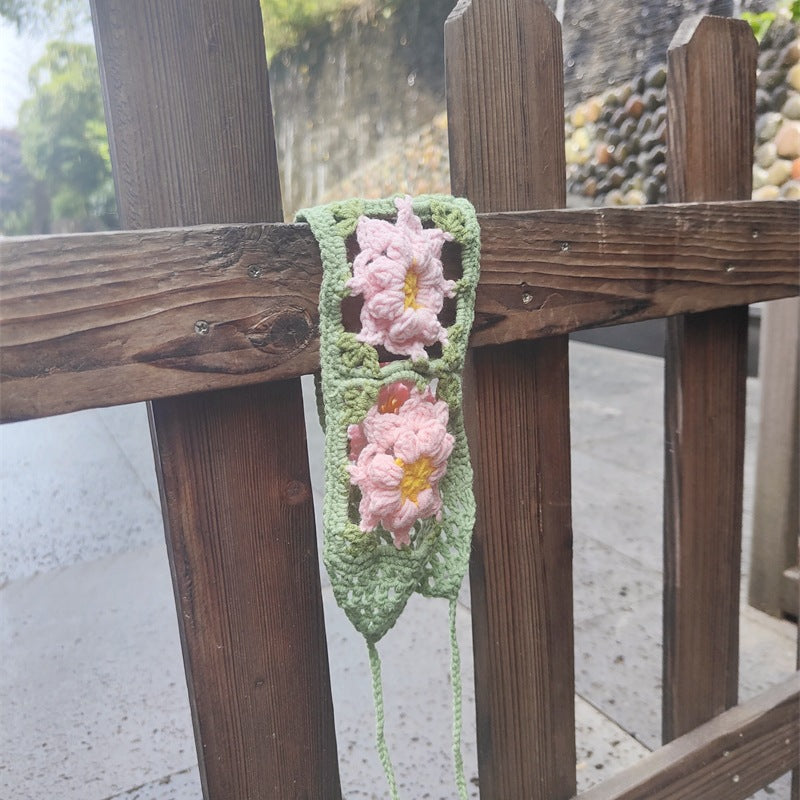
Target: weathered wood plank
[(187, 100), (727, 758), (233, 475), (711, 118), (503, 61), (776, 511), (101, 319)]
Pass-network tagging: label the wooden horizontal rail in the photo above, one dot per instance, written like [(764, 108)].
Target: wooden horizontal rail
[(727, 758), (101, 319)]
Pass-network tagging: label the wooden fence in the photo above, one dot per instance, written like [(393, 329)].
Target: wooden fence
[(207, 308)]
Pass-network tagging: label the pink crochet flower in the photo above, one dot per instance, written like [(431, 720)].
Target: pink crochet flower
[(381, 418), (399, 272), (399, 455)]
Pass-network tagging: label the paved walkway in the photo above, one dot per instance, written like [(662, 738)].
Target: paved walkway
[(93, 703)]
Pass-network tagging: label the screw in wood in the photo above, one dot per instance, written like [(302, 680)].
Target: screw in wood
[(201, 327)]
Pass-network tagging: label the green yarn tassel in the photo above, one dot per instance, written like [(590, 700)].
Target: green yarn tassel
[(455, 681), (380, 735)]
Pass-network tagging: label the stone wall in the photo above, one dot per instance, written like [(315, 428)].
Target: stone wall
[(349, 91), (354, 90), (776, 172), (616, 141), (608, 43)]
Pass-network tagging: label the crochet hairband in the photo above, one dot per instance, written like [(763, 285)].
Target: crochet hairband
[(399, 511)]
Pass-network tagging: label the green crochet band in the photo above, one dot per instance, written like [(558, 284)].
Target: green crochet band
[(398, 510)]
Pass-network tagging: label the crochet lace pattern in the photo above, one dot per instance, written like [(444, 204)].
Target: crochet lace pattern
[(399, 510)]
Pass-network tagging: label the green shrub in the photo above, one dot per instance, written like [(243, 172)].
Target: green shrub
[(761, 23), (285, 21)]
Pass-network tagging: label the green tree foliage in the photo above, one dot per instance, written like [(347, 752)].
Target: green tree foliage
[(285, 21), (55, 172), (51, 17), (63, 146), (762, 22), (21, 199)]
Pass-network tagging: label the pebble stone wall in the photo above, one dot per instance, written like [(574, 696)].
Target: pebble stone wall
[(616, 141)]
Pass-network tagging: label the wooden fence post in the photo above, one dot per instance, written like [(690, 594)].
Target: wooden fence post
[(775, 505), (710, 114), (505, 115), (190, 125)]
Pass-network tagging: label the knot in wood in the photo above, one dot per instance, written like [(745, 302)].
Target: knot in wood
[(296, 492), (282, 332)]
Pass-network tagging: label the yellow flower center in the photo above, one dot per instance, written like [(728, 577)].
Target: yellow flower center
[(416, 477), (410, 288)]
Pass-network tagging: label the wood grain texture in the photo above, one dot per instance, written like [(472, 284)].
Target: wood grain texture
[(188, 111), (187, 102), (711, 110), (239, 513), (727, 758), (776, 511), (711, 117), (505, 104), (98, 319)]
